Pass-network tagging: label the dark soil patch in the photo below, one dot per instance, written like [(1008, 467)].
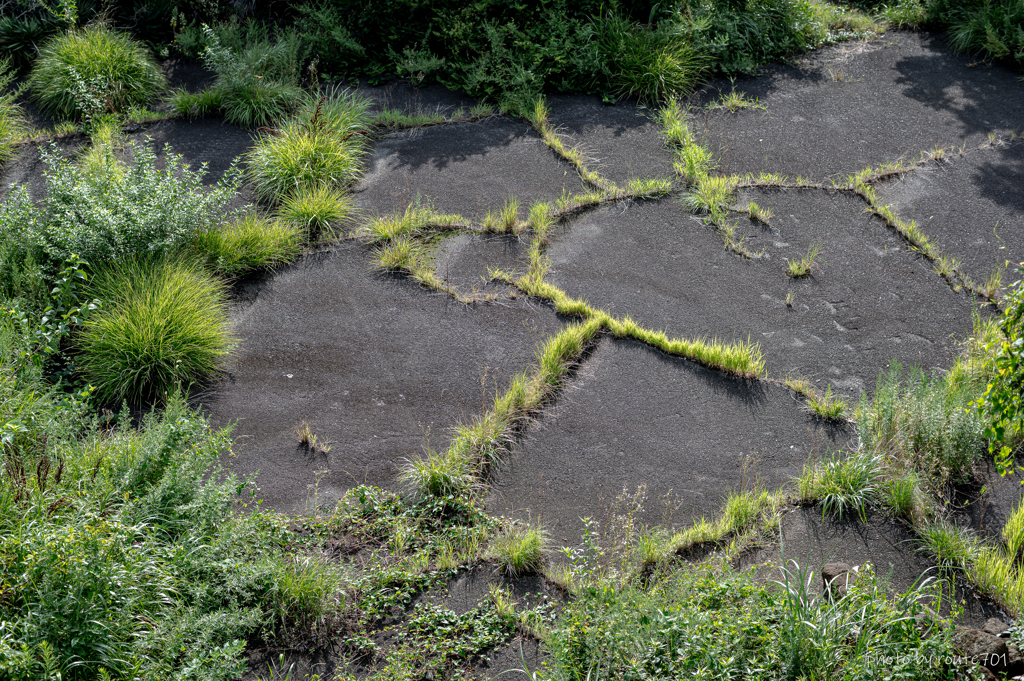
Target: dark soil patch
[(621, 142), (869, 299), (27, 166), (378, 366), (812, 541), (635, 416), (466, 168), (402, 96), (971, 206), (203, 140), (189, 75), (857, 104)]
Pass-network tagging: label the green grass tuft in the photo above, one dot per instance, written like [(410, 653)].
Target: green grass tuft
[(301, 157), (951, 546), (519, 550), (842, 484), (798, 269), (208, 102), (163, 326), (317, 211), (248, 244), (91, 71), (439, 475), (826, 405), (711, 195)]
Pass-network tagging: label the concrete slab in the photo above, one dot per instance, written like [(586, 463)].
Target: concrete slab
[(378, 366), (633, 416), (621, 142), (869, 300), (466, 168), (971, 206), (853, 105)]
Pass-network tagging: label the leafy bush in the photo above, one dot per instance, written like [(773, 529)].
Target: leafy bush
[(93, 70), (163, 327), (111, 210), (12, 121), (991, 29), (1002, 402), (248, 244)]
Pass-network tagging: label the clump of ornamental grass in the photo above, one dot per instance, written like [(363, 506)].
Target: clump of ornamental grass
[(93, 70), (316, 210), (162, 326), (253, 242), (301, 156)]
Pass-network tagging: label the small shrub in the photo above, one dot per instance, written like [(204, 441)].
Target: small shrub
[(301, 157), (316, 210), (163, 326), (248, 244), (93, 70), (12, 119), (519, 550), (107, 209)]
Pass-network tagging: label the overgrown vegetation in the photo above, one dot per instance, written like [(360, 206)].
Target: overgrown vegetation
[(92, 71), (12, 119)]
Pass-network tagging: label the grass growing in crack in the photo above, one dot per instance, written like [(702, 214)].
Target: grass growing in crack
[(91, 71), (317, 211), (728, 233), (758, 213), (736, 101), (418, 218), (739, 358), (540, 218), (538, 118), (399, 254), (826, 405), (711, 195), (693, 161), (163, 327), (844, 484), (251, 243), (519, 549), (994, 281), (797, 269)]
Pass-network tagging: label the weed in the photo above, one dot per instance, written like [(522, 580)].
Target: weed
[(802, 268), (1013, 532), (309, 439), (711, 195), (163, 327), (519, 549), (93, 70), (250, 243), (439, 475), (990, 289), (842, 484), (735, 101), (901, 495), (790, 299), (826, 405), (208, 102), (951, 546), (316, 210), (399, 254), (758, 213), (728, 233)]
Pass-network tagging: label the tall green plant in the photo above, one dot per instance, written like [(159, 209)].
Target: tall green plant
[(1003, 400)]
